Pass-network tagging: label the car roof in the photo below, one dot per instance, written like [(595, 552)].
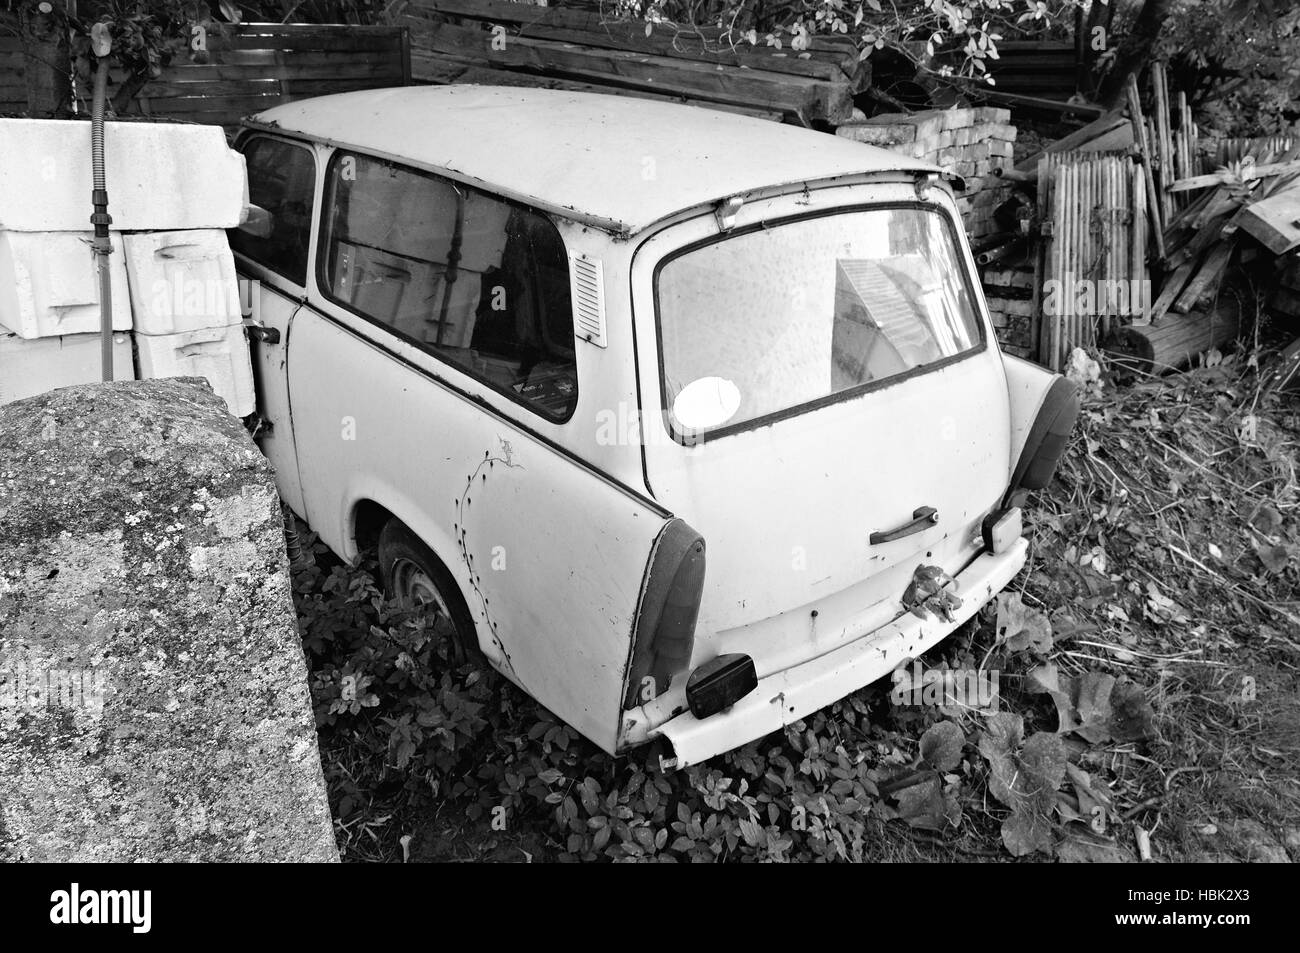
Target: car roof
[(615, 161)]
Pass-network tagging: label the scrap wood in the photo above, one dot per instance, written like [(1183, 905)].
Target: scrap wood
[(1145, 157), (1176, 341), (1164, 146), (1169, 291), (1273, 221), (1110, 131), (552, 43), (827, 58), (1249, 173), (1207, 278), (1288, 369)]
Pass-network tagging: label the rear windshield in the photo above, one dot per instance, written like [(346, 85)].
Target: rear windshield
[(794, 313)]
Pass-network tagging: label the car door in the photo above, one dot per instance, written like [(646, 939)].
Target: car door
[(273, 275), (868, 433)]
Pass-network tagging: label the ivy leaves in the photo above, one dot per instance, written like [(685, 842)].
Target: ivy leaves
[(1024, 776), (1095, 706)]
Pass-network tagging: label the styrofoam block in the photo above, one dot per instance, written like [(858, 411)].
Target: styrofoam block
[(182, 281), (33, 366), (218, 354), (49, 284), (159, 176)]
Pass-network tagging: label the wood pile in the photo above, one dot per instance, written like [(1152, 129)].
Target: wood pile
[(497, 42), (1138, 202)]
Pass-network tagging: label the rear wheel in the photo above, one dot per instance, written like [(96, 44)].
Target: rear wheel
[(416, 578)]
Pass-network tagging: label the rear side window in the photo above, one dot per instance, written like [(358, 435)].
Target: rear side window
[(281, 180), (477, 281)]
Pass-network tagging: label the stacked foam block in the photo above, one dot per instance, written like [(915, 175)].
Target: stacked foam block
[(173, 190), (969, 142)]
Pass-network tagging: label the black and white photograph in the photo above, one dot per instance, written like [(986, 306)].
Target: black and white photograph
[(650, 431)]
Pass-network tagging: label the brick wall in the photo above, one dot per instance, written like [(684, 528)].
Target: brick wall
[(969, 142)]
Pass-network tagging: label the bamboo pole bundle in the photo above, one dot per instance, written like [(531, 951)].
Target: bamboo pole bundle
[(1140, 311), (1160, 105), (1056, 305), (1145, 157)]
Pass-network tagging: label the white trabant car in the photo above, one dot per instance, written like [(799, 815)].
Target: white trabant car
[(553, 353)]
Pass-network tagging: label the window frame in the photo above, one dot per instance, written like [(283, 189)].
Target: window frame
[(326, 292), (858, 390), (241, 145)]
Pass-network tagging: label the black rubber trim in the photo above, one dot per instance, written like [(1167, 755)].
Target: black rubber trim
[(1048, 437), (676, 541)]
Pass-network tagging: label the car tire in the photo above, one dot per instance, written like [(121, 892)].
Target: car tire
[(413, 575)]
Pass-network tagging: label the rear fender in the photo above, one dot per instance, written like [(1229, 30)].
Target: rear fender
[(1044, 407)]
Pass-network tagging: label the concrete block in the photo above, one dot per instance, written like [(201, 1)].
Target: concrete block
[(182, 281), (31, 366), (219, 355), (49, 284), (159, 176)]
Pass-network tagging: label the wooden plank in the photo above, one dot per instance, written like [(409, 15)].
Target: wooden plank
[(210, 84), (290, 69), (478, 75), (196, 92), (806, 98), (1174, 283), (338, 41), (251, 59), (180, 76), (1273, 221), (598, 29), (244, 104), (315, 30), (1222, 176), (1207, 278), (406, 57), (576, 26)]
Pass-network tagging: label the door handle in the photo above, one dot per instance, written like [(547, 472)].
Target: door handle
[(262, 334), (921, 518)]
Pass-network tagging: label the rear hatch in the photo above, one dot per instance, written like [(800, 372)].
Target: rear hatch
[(823, 376)]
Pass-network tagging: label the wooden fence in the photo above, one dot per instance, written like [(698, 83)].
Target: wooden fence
[(248, 68), (13, 85), (260, 65)]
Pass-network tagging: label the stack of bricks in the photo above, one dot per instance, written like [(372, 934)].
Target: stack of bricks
[(1009, 290), (969, 142)]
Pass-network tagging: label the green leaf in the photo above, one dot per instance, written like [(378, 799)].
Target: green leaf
[(1021, 627), (941, 746)]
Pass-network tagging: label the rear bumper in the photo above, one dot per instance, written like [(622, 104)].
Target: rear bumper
[(787, 696)]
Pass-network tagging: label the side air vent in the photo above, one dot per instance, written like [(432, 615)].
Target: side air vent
[(588, 299)]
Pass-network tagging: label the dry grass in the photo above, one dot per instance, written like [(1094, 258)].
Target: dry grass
[(1180, 500)]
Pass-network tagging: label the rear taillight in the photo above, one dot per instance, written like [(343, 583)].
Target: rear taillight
[(664, 632)]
